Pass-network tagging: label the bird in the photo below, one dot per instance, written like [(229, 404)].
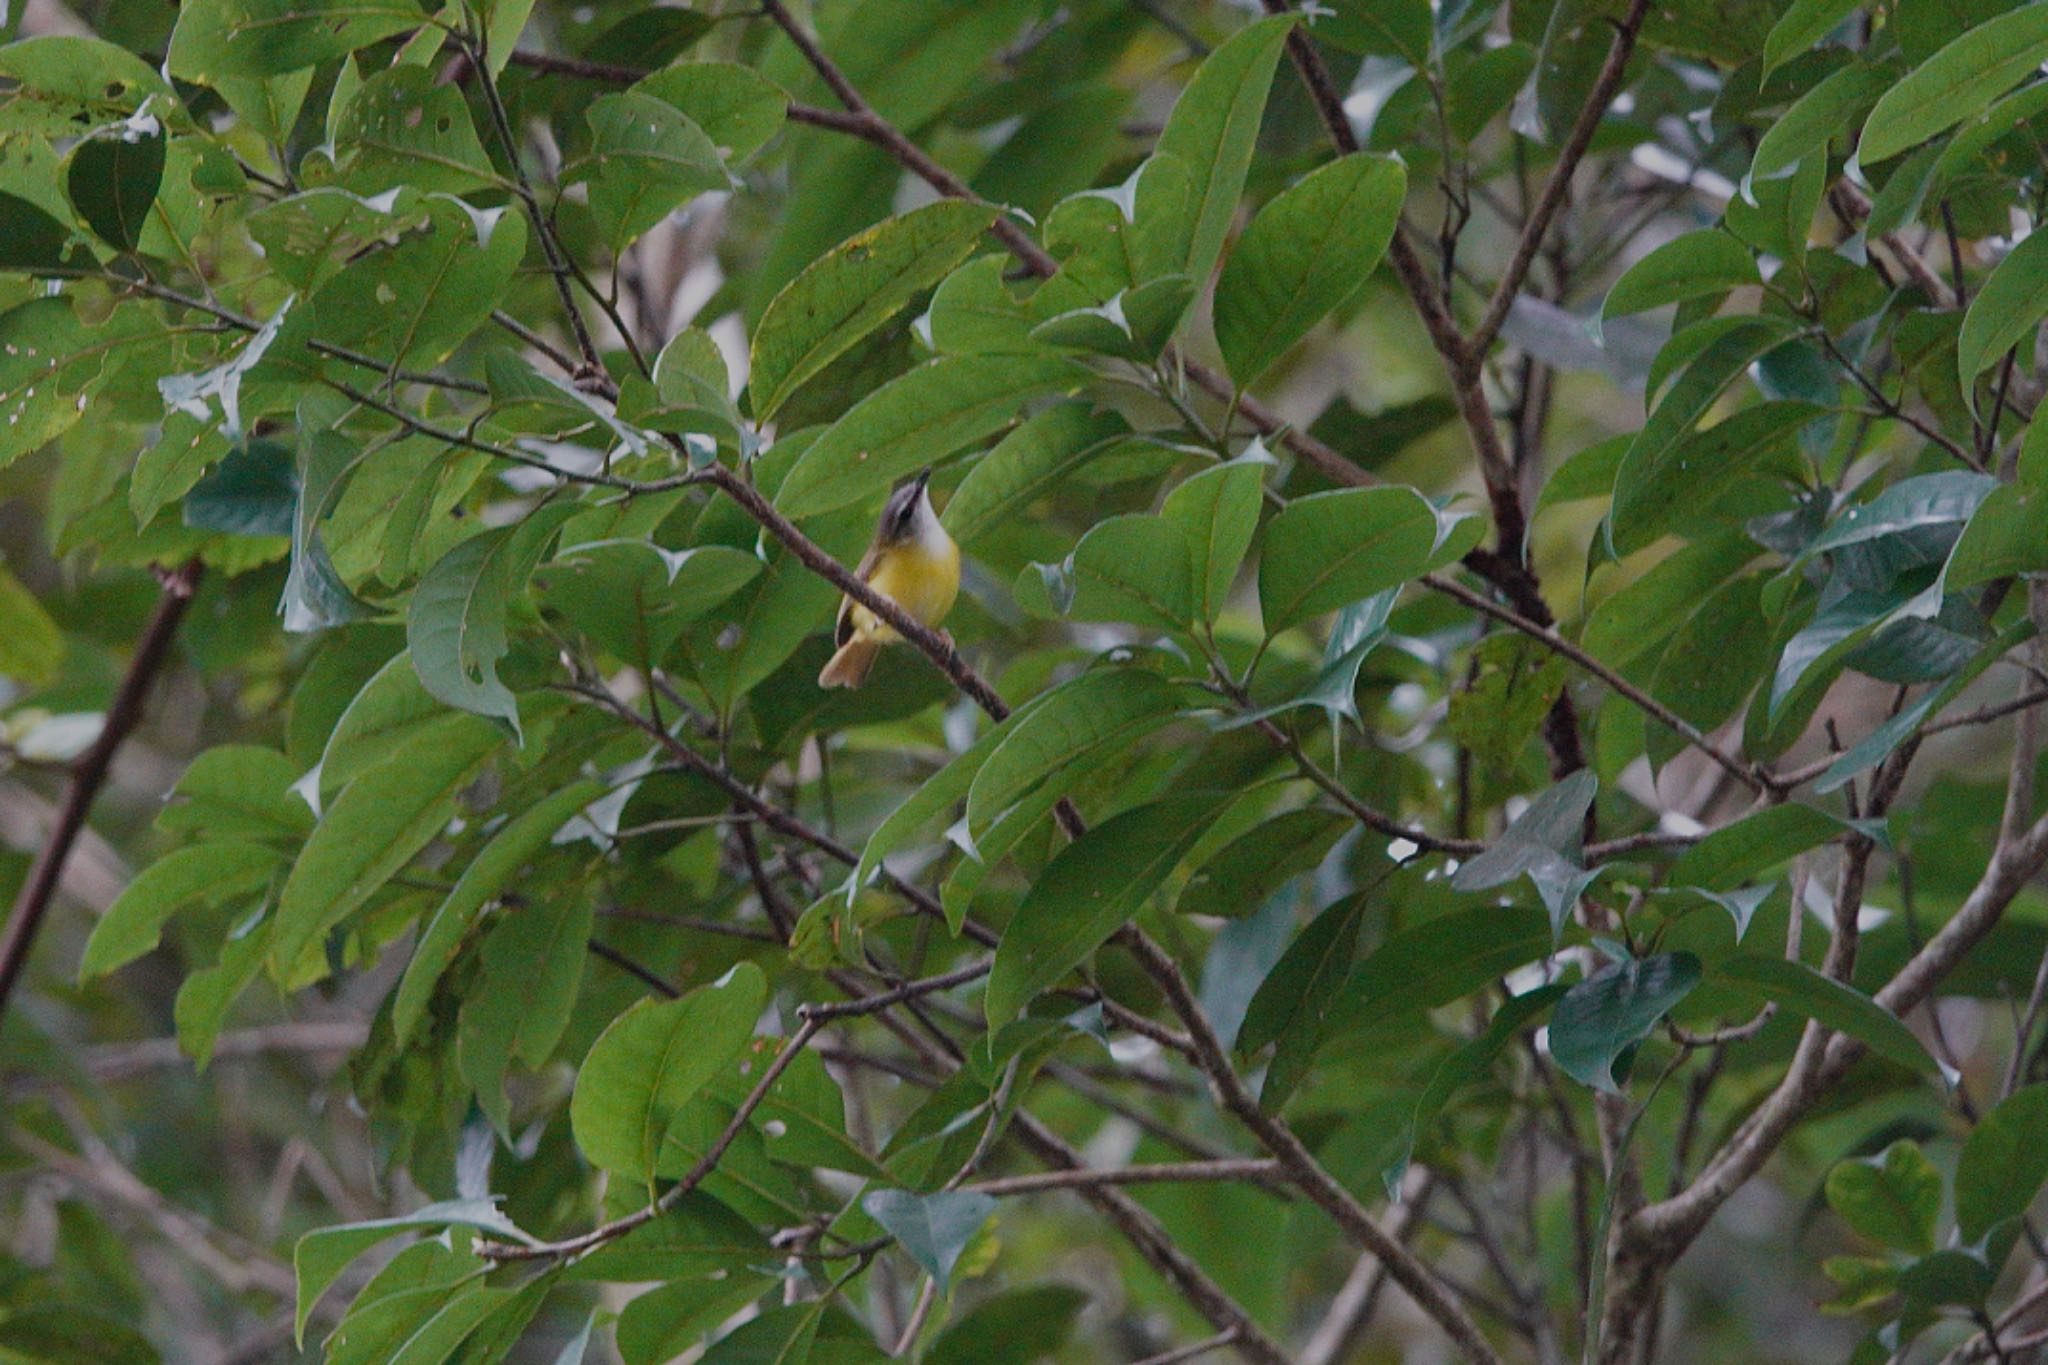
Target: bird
[(913, 563)]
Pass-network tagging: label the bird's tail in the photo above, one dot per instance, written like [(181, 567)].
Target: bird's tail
[(849, 667)]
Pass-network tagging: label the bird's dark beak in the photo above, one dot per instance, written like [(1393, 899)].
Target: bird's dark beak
[(924, 477)]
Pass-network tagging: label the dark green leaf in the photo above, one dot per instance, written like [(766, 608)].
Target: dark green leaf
[(2004, 1163), (1600, 1021), (933, 1229)]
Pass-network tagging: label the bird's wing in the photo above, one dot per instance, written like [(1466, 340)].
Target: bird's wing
[(842, 629)]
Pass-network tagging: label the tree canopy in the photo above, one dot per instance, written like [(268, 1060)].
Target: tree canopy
[(1492, 710)]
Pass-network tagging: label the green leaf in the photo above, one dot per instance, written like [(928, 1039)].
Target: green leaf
[(48, 359), (66, 1334), (634, 597), (1658, 449), (1017, 1327), (1294, 999), (1818, 116), (1665, 497), (405, 129), (1690, 266), (2007, 536), (1438, 961), (1102, 710), (321, 1255), (847, 293), (647, 159), (1950, 1277), (1093, 886), (253, 491), (651, 1061), (1312, 247), (1131, 568), (1956, 82), (1213, 129), (1893, 1198), (532, 967), (932, 1229), (1218, 514), (1741, 850), (112, 180), (1828, 1002), (1942, 499), (269, 37), (696, 1237), (738, 108), (1879, 744), (1803, 24), (31, 644), (2008, 306), (2003, 1163), (1358, 630), (1550, 830), (380, 820), (204, 875), (386, 714), (915, 420), (494, 866), (1246, 871), (411, 304), (33, 242), (1027, 464), (1599, 1022), (1512, 683), (1468, 1064), (671, 1321), (1328, 550), (455, 627)]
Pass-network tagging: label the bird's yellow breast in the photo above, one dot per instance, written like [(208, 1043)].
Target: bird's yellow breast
[(923, 579)]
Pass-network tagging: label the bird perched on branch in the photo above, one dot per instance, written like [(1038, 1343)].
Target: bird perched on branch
[(913, 563)]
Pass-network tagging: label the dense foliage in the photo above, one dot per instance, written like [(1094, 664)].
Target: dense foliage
[(1493, 710)]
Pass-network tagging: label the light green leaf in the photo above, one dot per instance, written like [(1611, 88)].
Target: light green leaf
[(1103, 709), (915, 420), (1027, 464), (736, 106), (1818, 116), (1328, 550), (1801, 27), (532, 968), (647, 159), (932, 1229), (1828, 1002), (1311, 248), (237, 791), (380, 820), (31, 644), (1662, 497), (1092, 887), (321, 1255), (2004, 1163), (1239, 878), (495, 865), (204, 875), (1956, 82), (1893, 1198), (1218, 513), (1213, 129), (268, 37), (2009, 305), (455, 628), (405, 129), (1690, 266), (1131, 568), (853, 289), (651, 1061)]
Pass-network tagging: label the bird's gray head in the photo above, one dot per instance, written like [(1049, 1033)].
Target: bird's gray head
[(901, 516)]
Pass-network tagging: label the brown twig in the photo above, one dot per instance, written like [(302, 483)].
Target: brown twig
[(1552, 196), (89, 773)]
